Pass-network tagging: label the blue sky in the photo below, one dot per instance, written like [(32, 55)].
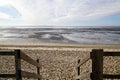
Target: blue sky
[(60, 12)]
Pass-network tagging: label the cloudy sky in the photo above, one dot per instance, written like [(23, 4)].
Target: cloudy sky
[(60, 12)]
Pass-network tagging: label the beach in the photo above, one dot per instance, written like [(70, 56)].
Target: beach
[(59, 39), (59, 60)]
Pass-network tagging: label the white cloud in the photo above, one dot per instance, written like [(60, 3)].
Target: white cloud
[(4, 2), (59, 11), (4, 16), (88, 9), (33, 11)]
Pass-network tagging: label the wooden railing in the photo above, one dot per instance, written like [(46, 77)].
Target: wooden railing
[(97, 66), (19, 73)]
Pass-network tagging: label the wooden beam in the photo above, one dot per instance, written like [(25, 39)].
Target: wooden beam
[(78, 70), (38, 69), (84, 61), (111, 54), (97, 64), (29, 60), (7, 75), (18, 64), (5, 53), (111, 76)]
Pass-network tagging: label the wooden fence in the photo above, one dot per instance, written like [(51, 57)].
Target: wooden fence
[(19, 73), (97, 66)]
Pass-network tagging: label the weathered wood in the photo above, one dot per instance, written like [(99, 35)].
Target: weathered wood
[(38, 69), (97, 64), (111, 54), (5, 53), (111, 76), (29, 60), (78, 70), (19, 74), (30, 75), (17, 65), (84, 61), (8, 75), (83, 76)]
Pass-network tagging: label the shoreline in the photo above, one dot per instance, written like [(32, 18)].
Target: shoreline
[(64, 45)]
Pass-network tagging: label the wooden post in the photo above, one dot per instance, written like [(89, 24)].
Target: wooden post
[(97, 64), (78, 69), (18, 65), (38, 69)]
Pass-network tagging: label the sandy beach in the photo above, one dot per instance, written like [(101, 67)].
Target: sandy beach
[(63, 36), (59, 60)]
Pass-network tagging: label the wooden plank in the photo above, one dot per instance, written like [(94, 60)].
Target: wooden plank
[(30, 75), (17, 65), (97, 64), (29, 60), (5, 53), (7, 75), (84, 61), (83, 76), (38, 69), (110, 76), (78, 70), (111, 54)]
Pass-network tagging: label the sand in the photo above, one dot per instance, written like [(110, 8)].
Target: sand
[(59, 60)]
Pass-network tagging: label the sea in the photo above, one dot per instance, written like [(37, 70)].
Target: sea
[(104, 35)]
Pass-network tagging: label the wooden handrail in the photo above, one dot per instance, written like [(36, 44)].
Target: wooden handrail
[(29, 60), (111, 53), (7, 75), (111, 76), (4, 53), (19, 74), (83, 61), (97, 65)]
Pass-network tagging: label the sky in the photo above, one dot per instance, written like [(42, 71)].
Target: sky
[(60, 12)]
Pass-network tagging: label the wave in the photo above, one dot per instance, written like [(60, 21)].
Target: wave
[(75, 35)]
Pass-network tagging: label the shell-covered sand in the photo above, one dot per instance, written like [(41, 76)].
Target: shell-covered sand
[(58, 63)]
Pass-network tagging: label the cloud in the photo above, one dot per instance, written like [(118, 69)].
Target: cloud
[(87, 9), (4, 16), (54, 12), (33, 11), (4, 2)]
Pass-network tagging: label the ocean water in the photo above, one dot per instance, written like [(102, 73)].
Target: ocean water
[(62, 35)]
